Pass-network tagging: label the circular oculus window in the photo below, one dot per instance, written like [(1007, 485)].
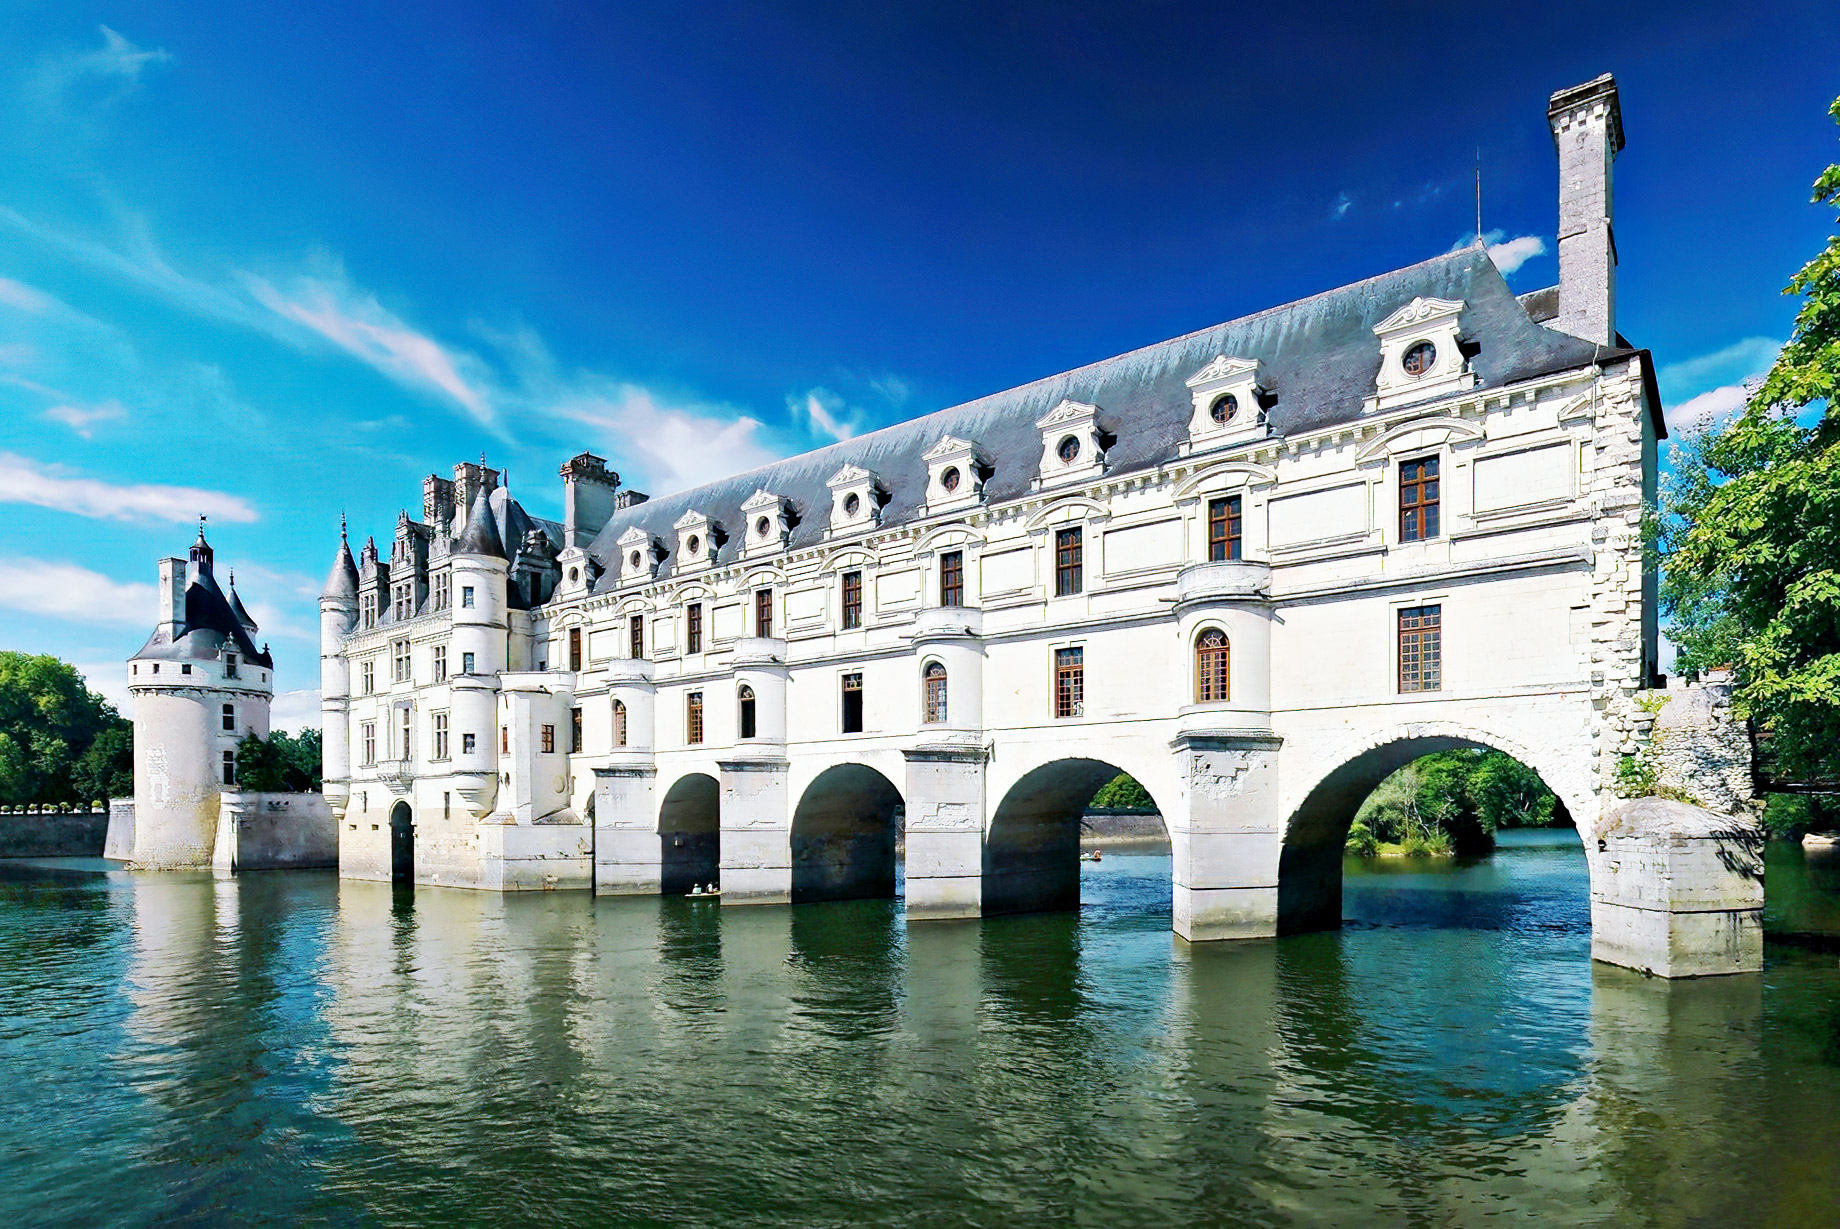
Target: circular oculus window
[(948, 478), (694, 543), (1068, 450), (761, 526), (574, 575), (635, 558), (1224, 407), (851, 503), (1419, 359)]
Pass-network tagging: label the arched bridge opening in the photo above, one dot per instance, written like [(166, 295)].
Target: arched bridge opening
[(1427, 813), (1032, 852), (843, 836), (689, 835)]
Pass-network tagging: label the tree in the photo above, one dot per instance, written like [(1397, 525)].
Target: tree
[(49, 723), (1123, 793), (279, 763), (1750, 533)]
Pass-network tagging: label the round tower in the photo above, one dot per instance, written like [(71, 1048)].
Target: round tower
[(199, 686), (338, 614), (477, 654)]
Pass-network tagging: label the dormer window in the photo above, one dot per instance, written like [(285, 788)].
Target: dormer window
[(1069, 450), (852, 504), (955, 474), (949, 479), (856, 499), (769, 522), (696, 542), (640, 554), (1226, 406), (762, 527), (1421, 354), (1073, 445), (1419, 360)]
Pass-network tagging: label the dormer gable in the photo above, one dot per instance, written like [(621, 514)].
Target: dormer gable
[(1228, 406), (769, 523), (1072, 444), (1421, 354), (955, 472), (856, 499), (639, 556), (696, 541)]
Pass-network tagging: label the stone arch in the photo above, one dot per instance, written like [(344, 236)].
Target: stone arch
[(843, 836), (689, 834), (402, 843), (1316, 822), (1032, 849)]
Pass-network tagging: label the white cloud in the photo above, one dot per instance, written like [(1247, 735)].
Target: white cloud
[(827, 413), (1508, 254), (24, 298), (674, 446), (83, 419), (24, 481), (358, 324), (78, 595), (121, 57), (294, 711), (108, 679), (1343, 203), (1742, 360), (1697, 413)]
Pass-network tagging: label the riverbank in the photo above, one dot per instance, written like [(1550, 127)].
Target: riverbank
[(1123, 832)]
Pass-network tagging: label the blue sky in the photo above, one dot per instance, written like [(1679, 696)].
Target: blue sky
[(269, 264)]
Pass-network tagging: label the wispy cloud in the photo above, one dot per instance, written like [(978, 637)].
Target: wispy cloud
[(83, 419), (1709, 388), (294, 711), (357, 323), (24, 298), (1709, 408), (121, 58), (675, 445), (76, 594), (827, 413), (25, 481), (1343, 203), (114, 68), (1508, 254)]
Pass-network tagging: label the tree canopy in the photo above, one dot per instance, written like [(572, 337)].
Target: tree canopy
[(1452, 801), (61, 744), (1750, 532), (280, 762)]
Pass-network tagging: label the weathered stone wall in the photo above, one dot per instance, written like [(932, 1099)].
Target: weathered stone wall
[(51, 834), (1699, 751), (274, 831)]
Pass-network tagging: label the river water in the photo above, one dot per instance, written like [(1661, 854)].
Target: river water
[(290, 1047)]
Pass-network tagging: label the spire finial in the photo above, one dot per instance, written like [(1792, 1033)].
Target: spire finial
[(342, 537)]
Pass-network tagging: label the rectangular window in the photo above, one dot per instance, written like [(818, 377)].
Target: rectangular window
[(370, 742), (469, 743), (619, 724), (1068, 558), (443, 590), (952, 578), (466, 596), (466, 663), (407, 717), (1223, 528), (575, 730), (693, 718), (1070, 682), (440, 663), (367, 675), (549, 740), (1421, 650), (230, 717), (852, 703), (1418, 500), (230, 666), (229, 768), (504, 739), (852, 600), (399, 661), (574, 648), (405, 602), (635, 636), (185, 669), (370, 609), (763, 612), (440, 736), (693, 628)]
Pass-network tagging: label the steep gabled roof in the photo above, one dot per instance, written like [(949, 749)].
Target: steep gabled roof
[(211, 628), (1318, 357)]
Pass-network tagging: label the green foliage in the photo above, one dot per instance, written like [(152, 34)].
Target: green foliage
[(1123, 793), (1450, 802), (1788, 816), (1637, 775), (50, 728), (1751, 533), (279, 763)]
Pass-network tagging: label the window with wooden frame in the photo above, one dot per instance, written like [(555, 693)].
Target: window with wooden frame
[(952, 578), (575, 730), (399, 661), (853, 702), (575, 648), (1418, 500), (440, 736), (549, 739), (693, 718), (1213, 667), (1421, 649), (693, 628), (635, 636), (619, 723), (229, 768), (933, 683), (407, 719), (1069, 557), (852, 600), (1223, 528), (1070, 682), (230, 717), (369, 738), (439, 656), (367, 676), (763, 612), (744, 708), (504, 739)]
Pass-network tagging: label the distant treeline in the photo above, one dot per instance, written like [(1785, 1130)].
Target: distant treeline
[(1452, 802)]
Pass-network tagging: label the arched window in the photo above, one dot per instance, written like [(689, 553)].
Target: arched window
[(934, 682), (1213, 658), (745, 698), (619, 723)]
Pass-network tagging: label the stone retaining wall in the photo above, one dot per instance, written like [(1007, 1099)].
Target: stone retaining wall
[(51, 834)]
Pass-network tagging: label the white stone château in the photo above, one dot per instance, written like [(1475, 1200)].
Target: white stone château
[(1257, 567)]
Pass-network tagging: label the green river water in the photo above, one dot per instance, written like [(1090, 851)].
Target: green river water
[(288, 1048)]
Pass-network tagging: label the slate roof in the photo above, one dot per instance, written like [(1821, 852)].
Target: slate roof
[(1319, 358), (211, 625)]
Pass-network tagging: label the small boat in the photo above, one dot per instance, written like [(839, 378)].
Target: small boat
[(699, 892), (1097, 855)]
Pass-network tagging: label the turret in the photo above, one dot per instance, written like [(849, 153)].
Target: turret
[(477, 655), (338, 614)]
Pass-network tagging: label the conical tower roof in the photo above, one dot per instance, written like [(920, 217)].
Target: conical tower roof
[(481, 537), (236, 605), (342, 581)]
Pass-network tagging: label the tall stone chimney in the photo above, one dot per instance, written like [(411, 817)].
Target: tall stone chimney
[(172, 598), (1587, 128), (588, 488)]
